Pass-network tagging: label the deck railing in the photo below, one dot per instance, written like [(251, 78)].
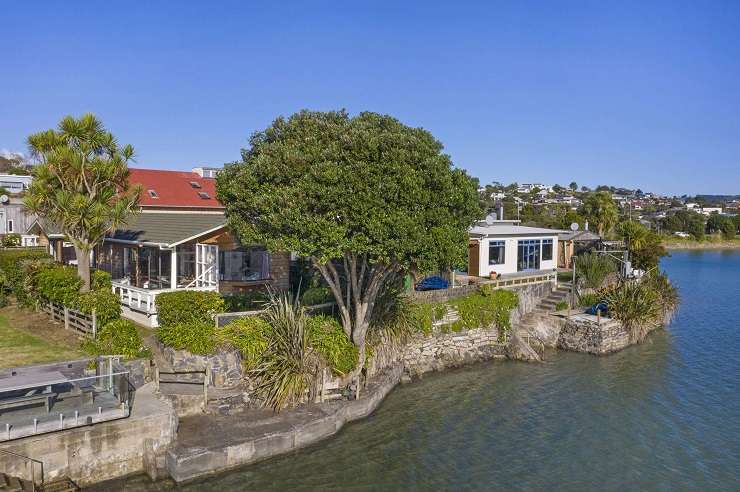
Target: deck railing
[(145, 299), (518, 279)]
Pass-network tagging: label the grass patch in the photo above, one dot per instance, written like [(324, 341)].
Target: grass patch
[(19, 348)]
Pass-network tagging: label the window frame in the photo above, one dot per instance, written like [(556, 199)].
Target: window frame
[(497, 244), (547, 242)]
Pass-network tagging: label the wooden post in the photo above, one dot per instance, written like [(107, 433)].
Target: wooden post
[(94, 324), (598, 316), (66, 318), (206, 380)]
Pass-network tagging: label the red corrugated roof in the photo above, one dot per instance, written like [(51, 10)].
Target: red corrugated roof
[(174, 189)]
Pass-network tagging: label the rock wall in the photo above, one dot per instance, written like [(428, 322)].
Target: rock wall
[(586, 334), (226, 367)]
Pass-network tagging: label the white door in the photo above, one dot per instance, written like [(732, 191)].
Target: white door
[(206, 265)]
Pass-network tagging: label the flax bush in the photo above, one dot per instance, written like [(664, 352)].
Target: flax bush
[(593, 268)]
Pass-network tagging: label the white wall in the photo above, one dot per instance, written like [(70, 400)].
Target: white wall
[(511, 255)]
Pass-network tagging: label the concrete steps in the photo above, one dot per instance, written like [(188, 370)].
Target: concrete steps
[(558, 295), (14, 484), (60, 485)]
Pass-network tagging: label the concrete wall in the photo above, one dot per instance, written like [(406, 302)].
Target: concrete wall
[(102, 451)]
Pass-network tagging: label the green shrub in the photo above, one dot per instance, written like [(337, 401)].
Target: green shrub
[(188, 306), (14, 265), (11, 240), (636, 305), (317, 295), (593, 268), (588, 300), (562, 305), (485, 308), (118, 337), (197, 337), (100, 279), (249, 335), (58, 284), (328, 338), (245, 302), (106, 304)]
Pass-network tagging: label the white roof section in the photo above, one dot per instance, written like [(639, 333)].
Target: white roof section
[(507, 228)]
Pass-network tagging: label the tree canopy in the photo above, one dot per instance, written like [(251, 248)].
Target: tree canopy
[(365, 197), (81, 184), (599, 209)]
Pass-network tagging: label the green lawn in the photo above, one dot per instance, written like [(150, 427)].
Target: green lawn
[(18, 348)]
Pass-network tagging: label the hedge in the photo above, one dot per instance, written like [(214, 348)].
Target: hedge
[(328, 338), (118, 337), (188, 306), (15, 265), (197, 337), (249, 335)]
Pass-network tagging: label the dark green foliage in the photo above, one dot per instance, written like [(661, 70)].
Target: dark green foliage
[(195, 336), (250, 301), (188, 306), (100, 279), (58, 284), (486, 308), (593, 268), (636, 305), (106, 304), (248, 335), (15, 264), (562, 305), (289, 368), (587, 300), (317, 295), (11, 240), (118, 337), (328, 338), (648, 255)]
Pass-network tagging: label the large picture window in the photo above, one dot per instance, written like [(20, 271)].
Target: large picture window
[(546, 249), (528, 251), (245, 264), (496, 252)]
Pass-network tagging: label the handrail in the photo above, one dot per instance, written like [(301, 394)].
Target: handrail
[(33, 463), (200, 277)]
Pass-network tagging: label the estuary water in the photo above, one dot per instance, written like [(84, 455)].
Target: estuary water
[(664, 415)]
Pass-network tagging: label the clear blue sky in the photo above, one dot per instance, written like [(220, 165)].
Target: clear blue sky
[(641, 94)]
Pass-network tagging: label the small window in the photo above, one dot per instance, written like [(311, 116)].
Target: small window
[(195, 185), (496, 252), (546, 249), (10, 226), (153, 194), (204, 195)]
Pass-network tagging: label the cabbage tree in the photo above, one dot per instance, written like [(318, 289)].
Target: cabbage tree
[(81, 184)]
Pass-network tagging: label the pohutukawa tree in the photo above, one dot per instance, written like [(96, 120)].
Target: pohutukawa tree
[(81, 184), (366, 198)]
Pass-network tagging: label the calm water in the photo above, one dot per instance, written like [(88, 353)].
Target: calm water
[(664, 415)]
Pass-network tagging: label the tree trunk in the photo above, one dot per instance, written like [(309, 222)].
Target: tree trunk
[(83, 267)]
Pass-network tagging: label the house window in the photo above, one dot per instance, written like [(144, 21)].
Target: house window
[(10, 226), (546, 249), (204, 195), (496, 252), (244, 264), (195, 184), (528, 254), (153, 194)]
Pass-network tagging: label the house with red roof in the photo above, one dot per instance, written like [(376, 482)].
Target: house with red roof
[(179, 240)]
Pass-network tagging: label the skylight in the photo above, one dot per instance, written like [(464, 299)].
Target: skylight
[(153, 194), (204, 195), (195, 184)]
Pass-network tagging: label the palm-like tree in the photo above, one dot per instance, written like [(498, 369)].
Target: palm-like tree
[(81, 184), (633, 233), (599, 209)]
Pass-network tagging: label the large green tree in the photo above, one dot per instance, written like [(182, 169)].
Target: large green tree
[(600, 210), (366, 198), (81, 184)]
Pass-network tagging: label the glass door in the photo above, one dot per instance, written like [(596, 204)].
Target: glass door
[(528, 255)]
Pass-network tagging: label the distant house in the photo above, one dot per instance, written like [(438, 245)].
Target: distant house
[(179, 240), (15, 219), (15, 183), (711, 210), (507, 248)]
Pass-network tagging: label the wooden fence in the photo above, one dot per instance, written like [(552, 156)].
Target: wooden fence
[(85, 324)]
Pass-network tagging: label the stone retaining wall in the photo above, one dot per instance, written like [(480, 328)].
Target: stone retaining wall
[(226, 366)]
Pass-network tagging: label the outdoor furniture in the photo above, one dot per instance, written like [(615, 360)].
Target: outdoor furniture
[(432, 283), (22, 401), (36, 385)]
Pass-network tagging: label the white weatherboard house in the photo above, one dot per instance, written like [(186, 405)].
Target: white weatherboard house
[(507, 248)]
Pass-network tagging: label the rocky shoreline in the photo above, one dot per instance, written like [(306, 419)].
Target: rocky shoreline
[(701, 245)]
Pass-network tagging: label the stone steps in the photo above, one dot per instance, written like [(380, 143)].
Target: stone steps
[(14, 484), (60, 485)]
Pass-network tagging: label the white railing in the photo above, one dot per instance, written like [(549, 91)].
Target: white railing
[(145, 299)]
